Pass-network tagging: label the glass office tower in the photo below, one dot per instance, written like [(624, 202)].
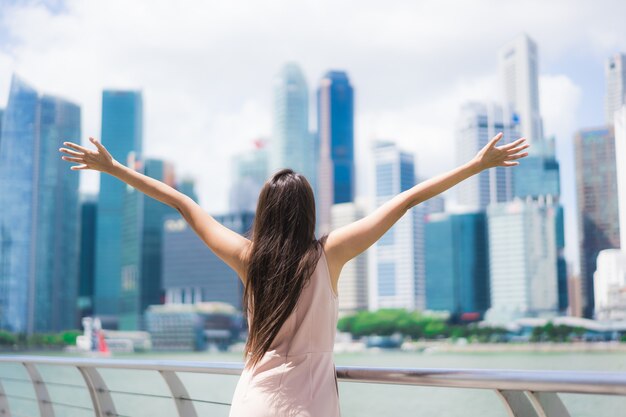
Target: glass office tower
[(122, 133), (457, 264), (335, 113), (142, 241), (597, 198), (39, 216)]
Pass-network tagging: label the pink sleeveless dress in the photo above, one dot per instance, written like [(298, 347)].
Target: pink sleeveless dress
[(297, 377)]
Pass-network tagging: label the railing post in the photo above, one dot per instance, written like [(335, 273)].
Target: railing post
[(4, 403), (519, 404), (100, 396), (41, 392), (179, 393), (552, 404)]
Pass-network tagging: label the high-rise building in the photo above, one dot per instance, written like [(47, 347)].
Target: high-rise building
[(353, 283), (523, 259), (596, 189), (335, 113), (39, 213), (476, 125), (609, 282), (538, 174), (620, 170), (615, 72), (142, 242), (457, 264), (396, 272), (249, 173), (519, 83), (1, 117), (191, 272), (122, 134), (292, 145), (88, 210)]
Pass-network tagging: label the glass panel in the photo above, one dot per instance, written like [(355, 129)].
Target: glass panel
[(373, 400), (18, 389), (213, 392), (139, 393), (67, 389), (582, 405)]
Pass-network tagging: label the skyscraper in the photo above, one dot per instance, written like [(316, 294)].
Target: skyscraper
[(191, 272), (142, 241), (1, 117), (457, 264), (353, 284), (122, 133), (88, 209), (336, 184), (39, 214), (292, 146), (476, 125), (396, 271), (523, 259), (615, 72), (538, 173), (620, 170), (596, 189), (249, 173), (519, 81)]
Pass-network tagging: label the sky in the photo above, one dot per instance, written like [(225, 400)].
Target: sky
[(206, 70)]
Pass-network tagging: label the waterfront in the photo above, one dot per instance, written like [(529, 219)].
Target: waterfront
[(366, 400)]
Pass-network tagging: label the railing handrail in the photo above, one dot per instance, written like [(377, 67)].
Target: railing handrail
[(582, 382)]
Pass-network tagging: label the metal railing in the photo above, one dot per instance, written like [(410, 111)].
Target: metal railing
[(523, 393)]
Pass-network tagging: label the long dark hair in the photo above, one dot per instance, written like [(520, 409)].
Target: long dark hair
[(283, 257)]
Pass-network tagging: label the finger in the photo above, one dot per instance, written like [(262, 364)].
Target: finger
[(519, 148), (512, 144), (71, 152), (69, 158), (510, 163), (77, 147), (75, 167), (97, 143), (495, 140), (518, 156)]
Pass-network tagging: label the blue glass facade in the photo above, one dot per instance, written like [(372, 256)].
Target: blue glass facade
[(19, 133), (191, 271), (88, 210), (122, 133), (457, 268), (142, 241), (38, 213), (537, 175), (339, 110), (58, 219)]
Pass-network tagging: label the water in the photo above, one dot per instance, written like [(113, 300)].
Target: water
[(357, 399)]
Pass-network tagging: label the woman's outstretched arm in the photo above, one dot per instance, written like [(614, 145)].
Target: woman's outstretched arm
[(226, 244), (349, 241)]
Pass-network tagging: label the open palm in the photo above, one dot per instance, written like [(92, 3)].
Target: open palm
[(98, 160), (501, 156)]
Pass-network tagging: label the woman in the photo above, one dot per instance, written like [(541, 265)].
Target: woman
[(290, 277)]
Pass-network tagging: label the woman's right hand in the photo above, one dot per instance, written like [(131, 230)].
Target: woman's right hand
[(500, 156), (98, 160)]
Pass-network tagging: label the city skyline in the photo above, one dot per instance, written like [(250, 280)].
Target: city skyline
[(232, 99)]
